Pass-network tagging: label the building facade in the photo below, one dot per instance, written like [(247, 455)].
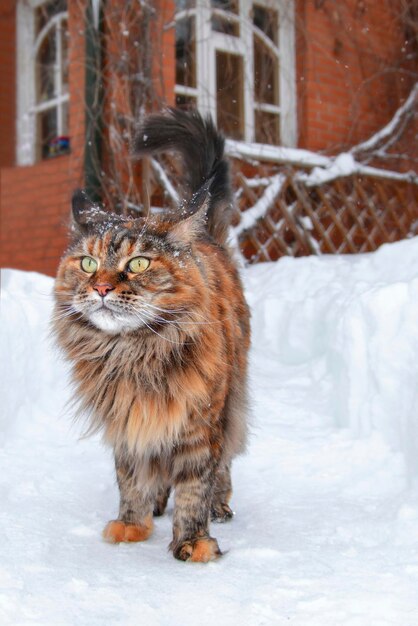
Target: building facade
[(315, 74)]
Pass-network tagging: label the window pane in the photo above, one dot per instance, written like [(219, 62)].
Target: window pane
[(64, 55), (266, 74), (182, 5), (47, 131), (48, 10), (50, 142), (229, 94), (224, 24), (185, 102), (45, 67), (64, 130), (266, 64), (267, 127), (186, 52), (267, 21)]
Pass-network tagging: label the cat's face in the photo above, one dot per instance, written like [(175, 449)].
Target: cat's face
[(124, 275)]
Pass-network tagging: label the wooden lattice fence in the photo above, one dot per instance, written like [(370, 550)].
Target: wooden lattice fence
[(348, 215), (280, 214)]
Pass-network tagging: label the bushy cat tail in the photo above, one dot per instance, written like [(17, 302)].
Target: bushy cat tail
[(202, 148)]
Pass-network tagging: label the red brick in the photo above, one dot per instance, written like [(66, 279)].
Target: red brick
[(343, 98)]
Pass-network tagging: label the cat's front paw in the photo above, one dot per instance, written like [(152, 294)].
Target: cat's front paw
[(117, 531), (198, 551)]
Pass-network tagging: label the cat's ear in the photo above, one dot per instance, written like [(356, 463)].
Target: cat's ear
[(189, 228), (85, 212)]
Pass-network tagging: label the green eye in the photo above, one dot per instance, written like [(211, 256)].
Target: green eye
[(88, 264), (138, 264)]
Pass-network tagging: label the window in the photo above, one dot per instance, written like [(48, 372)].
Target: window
[(235, 60), (42, 125)]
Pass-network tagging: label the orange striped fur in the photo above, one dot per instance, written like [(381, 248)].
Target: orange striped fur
[(159, 361)]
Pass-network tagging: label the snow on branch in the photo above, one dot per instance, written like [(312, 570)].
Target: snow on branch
[(165, 182), (310, 169), (275, 154), (325, 169), (345, 165), (392, 130), (328, 168)]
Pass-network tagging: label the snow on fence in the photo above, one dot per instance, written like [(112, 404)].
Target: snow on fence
[(349, 214), (296, 203)]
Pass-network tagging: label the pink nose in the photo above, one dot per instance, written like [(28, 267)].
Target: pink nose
[(103, 288)]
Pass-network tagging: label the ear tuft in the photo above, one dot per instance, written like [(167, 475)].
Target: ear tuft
[(85, 212), (81, 206)]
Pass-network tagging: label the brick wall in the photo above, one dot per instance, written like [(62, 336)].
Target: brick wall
[(164, 63), (35, 200), (351, 70), (34, 209), (7, 81), (350, 80)]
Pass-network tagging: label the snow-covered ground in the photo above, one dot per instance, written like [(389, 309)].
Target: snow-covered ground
[(326, 500)]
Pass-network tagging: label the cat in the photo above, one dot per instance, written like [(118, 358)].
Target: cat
[(151, 314)]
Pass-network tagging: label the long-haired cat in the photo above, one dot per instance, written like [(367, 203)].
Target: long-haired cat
[(151, 314)]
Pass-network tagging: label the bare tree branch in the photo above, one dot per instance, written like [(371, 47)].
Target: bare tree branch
[(389, 134)]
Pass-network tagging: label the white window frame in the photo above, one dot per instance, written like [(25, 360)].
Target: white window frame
[(209, 41), (27, 107)]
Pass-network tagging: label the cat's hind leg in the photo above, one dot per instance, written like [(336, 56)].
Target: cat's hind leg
[(161, 500), (220, 509)]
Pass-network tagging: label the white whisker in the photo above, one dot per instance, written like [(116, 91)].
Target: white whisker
[(153, 330), (157, 308), (175, 322)]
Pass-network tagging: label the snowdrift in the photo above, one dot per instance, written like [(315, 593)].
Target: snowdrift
[(354, 321), (326, 525)]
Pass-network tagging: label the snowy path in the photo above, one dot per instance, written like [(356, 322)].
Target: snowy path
[(325, 532)]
